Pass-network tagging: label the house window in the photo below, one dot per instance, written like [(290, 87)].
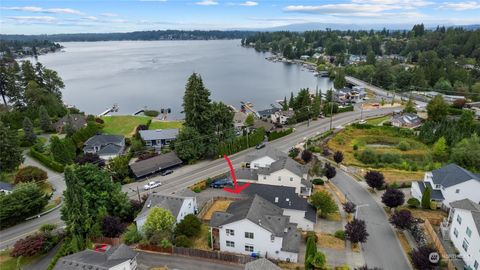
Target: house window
[(455, 232), (264, 178), (249, 235), (279, 178), (230, 244), (465, 244), (291, 178), (438, 186), (249, 248), (230, 232), (475, 265), (457, 191), (459, 220), (469, 232)]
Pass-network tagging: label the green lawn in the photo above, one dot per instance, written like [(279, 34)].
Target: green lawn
[(10, 263), (165, 124), (123, 124), (378, 120)]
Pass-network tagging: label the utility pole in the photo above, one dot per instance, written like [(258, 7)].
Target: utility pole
[(138, 193), (361, 111)]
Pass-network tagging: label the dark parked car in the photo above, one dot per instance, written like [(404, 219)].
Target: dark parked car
[(167, 172), (260, 146), (220, 183)]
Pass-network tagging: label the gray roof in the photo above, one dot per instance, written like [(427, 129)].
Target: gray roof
[(110, 149), (284, 197), (471, 206), (264, 214), (77, 120), (263, 124), (159, 134), (287, 113), (246, 174), (155, 164), (104, 139), (90, 259), (6, 186), (171, 203), (407, 119), (268, 151), (285, 163), (268, 112), (452, 174), (261, 264), (435, 193)]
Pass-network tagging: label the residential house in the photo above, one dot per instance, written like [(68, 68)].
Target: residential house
[(264, 157), (267, 126), (105, 146), (154, 164), (261, 264), (406, 120), (281, 117), (304, 57), (265, 114), (346, 94), (76, 120), (179, 206), (119, 257), (449, 183), (255, 226), (158, 138), (239, 120), (5, 188), (297, 208), (463, 228)]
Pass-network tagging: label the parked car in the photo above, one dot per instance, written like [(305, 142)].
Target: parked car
[(362, 122), (221, 183), (260, 145), (152, 184), (167, 172)]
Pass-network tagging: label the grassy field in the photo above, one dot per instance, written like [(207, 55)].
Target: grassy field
[(378, 120), (156, 124), (10, 263)]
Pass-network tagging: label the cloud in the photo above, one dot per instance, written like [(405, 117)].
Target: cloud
[(249, 4), (404, 3), (460, 5), (107, 14), (207, 3), (45, 10), (341, 8), (33, 19)]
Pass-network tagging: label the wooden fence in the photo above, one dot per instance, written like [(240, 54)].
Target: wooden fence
[(438, 244), (205, 254), (107, 240)]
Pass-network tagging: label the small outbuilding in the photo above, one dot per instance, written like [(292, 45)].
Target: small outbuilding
[(155, 164)]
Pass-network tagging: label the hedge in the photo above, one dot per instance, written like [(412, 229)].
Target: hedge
[(345, 109), (278, 134), (241, 143), (47, 161)]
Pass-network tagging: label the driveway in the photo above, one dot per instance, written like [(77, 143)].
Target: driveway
[(382, 248), (147, 261)]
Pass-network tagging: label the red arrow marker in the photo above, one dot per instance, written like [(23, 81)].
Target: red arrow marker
[(237, 189)]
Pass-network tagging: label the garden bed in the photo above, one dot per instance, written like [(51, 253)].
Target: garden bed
[(218, 205)]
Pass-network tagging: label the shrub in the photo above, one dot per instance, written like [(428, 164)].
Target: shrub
[(307, 156), (393, 198), (355, 147), (45, 228), (402, 219), (278, 134), (375, 179), (433, 205), (89, 158), (368, 156), (183, 241), (30, 174), (340, 234), (318, 261), (403, 145), (112, 226), (293, 153), (318, 181), (29, 246), (151, 113), (312, 234), (197, 189), (47, 161), (421, 258), (349, 207), (426, 198), (132, 236), (190, 226), (413, 203), (338, 157), (418, 234), (99, 121)]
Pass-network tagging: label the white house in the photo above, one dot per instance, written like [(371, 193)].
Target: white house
[(281, 117), (449, 183), (255, 226), (464, 231), (105, 146), (119, 257), (179, 206), (264, 157)]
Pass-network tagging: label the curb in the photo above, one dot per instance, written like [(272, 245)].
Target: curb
[(46, 212)]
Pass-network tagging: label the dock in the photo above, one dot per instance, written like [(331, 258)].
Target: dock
[(113, 109)]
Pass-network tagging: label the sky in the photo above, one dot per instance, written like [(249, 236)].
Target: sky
[(80, 16)]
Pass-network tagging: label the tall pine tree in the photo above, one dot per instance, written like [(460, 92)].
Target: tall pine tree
[(45, 122), (28, 131), (196, 105), (10, 152)]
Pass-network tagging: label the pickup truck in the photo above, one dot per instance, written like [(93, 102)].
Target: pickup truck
[(152, 184)]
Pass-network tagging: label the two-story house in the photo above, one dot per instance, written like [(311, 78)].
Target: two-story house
[(179, 206), (105, 146), (281, 117), (463, 230), (255, 226), (158, 138), (449, 183)]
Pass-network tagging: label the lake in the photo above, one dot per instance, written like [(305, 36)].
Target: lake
[(135, 74)]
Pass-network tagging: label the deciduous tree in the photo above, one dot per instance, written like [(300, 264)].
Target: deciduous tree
[(393, 198), (329, 171), (421, 258), (402, 219), (160, 222), (324, 202), (356, 231), (375, 179), (338, 157), (437, 108)]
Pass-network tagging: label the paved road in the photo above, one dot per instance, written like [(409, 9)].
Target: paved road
[(382, 248), (148, 260), (188, 175)]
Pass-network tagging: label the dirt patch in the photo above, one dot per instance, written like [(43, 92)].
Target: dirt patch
[(201, 242), (434, 216), (403, 241), (329, 241), (218, 205)]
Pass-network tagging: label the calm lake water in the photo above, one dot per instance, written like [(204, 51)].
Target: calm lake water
[(135, 74)]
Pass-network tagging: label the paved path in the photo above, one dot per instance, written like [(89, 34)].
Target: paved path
[(382, 248), (148, 260)]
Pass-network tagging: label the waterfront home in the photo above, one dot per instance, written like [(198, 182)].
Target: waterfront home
[(154, 165), (346, 94), (105, 146), (261, 264), (179, 206), (267, 126), (5, 188), (158, 138), (463, 228), (449, 183), (281, 117), (239, 120), (255, 226), (105, 258), (406, 120), (265, 114), (297, 208), (76, 120), (304, 57)]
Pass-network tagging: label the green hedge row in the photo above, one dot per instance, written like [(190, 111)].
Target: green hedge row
[(345, 109), (47, 161), (241, 143), (278, 134)]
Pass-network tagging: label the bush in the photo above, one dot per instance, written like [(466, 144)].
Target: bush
[(318, 181), (47, 161), (278, 134), (29, 246), (99, 121), (312, 234), (190, 226), (293, 153), (433, 205), (355, 147), (368, 156), (151, 113), (30, 174), (340, 234), (413, 203), (197, 189), (112, 226), (403, 145), (183, 241), (132, 236), (45, 228)]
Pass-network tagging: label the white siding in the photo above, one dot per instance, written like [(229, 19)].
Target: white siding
[(415, 191), (261, 162), (188, 207), (282, 178), (298, 216), (466, 190), (473, 252)]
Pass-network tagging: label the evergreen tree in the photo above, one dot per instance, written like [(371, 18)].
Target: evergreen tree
[(10, 152), (439, 150), (29, 135), (371, 58), (45, 122), (285, 104), (196, 105), (437, 109), (410, 106), (310, 252), (426, 198), (69, 128), (339, 81), (63, 151), (291, 101)]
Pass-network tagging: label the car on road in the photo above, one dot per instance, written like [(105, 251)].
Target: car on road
[(166, 172), (260, 146), (221, 183), (152, 184), (362, 122)]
